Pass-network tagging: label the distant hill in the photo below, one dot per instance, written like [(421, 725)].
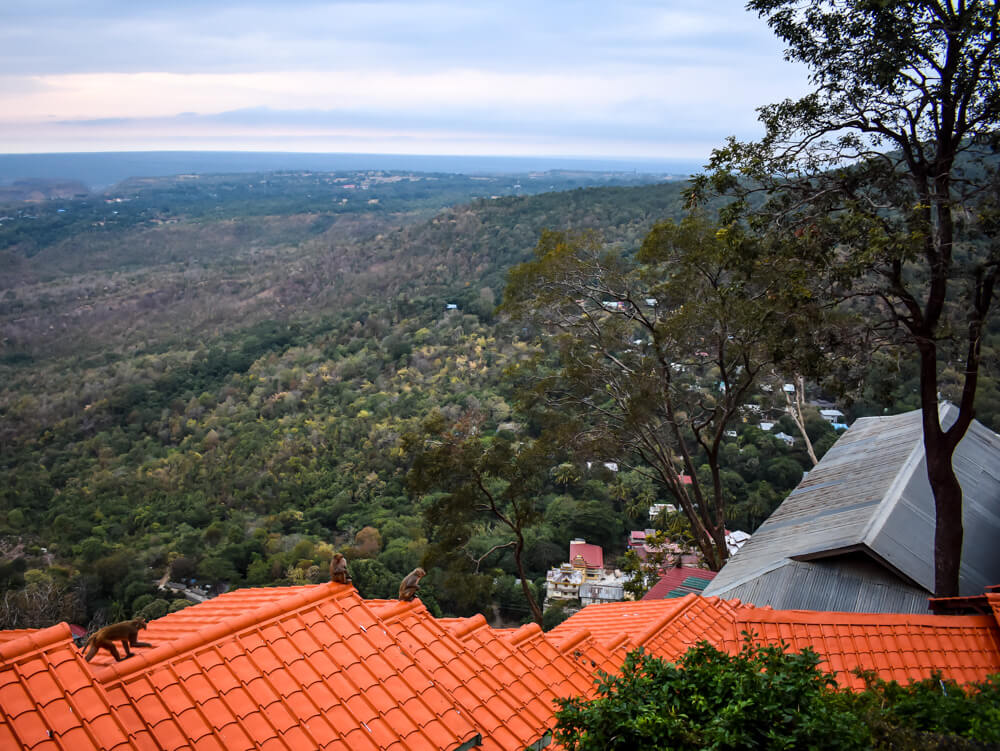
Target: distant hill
[(103, 169), (42, 189)]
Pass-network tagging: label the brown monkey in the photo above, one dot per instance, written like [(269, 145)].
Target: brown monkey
[(409, 586), (338, 570), (127, 632)]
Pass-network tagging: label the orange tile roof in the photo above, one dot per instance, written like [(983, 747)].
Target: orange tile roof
[(319, 667), (613, 621), (15, 633), (49, 698), (897, 647)]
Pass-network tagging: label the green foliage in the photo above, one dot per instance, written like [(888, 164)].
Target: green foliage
[(374, 580), (882, 183), (477, 483), (765, 697), (656, 353), (155, 609), (555, 614), (761, 698), (924, 711), (233, 376)]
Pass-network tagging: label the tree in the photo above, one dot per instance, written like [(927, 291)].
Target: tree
[(493, 482), (763, 697), (883, 180), (657, 354)]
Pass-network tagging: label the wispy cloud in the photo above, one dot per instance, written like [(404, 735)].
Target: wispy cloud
[(660, 78)]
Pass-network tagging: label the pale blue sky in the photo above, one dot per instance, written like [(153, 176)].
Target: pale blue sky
[(631, 78)]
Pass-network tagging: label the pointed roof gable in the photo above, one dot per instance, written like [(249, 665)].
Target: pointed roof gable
[(869, 498)]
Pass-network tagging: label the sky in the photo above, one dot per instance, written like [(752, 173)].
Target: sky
[(626, 78)]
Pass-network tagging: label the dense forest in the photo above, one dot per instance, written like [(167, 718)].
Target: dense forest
[(220, 381)]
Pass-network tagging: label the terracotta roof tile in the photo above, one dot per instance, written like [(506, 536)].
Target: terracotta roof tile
[(47, 694), (610, 621), (318, 667), (15, 633), (900, 647)]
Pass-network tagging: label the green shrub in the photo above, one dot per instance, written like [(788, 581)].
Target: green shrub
[(932, 713), (761, 698), (767, 698)]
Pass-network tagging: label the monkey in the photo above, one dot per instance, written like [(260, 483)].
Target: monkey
[(409, 586), (338, 570), (127, 632)]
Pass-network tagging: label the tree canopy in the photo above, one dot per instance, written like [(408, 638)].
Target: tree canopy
[(883, 180), (658, 353)]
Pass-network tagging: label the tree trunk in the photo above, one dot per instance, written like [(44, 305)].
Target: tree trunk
[(536, 611), (795, 409), (939, 449), (948, 531)]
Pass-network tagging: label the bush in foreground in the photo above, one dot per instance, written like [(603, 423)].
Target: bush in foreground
[(765, 697)]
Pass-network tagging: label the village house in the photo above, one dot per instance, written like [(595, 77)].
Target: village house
[(584, 577)]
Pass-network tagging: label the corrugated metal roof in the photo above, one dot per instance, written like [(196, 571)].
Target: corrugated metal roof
[(870, 494)]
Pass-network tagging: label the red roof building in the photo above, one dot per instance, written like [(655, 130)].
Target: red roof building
[(679, 581), (585, 555), (319, 667)]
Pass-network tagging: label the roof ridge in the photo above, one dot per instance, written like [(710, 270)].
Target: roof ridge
[(685, 604), (573, 639), (289, 604), (393, 612), (887, 619), (527, 632), (472, 623), (38, 640), (887, 504)]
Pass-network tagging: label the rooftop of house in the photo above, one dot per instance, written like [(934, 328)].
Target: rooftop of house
[(320, 667), (592, 555), (858, 532), (679, 581)]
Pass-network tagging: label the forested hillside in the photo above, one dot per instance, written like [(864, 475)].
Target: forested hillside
[(222, 397), (219, 390)]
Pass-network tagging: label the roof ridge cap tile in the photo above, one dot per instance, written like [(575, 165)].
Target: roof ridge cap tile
[(685, 604), (393, 611), (284, 605), (38, 640), (526, 633), (619, 642), (572, 640), (833, 617), (473, 623)]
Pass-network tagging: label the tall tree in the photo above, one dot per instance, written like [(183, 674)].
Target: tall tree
[(476, 484), (657, 354), (884, 180)]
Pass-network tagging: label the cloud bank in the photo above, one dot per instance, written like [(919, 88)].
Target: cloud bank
[(638, 79)]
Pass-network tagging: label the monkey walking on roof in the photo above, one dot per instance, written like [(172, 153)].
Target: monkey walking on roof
[(409, 586), (338, 570), (127, 632)]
